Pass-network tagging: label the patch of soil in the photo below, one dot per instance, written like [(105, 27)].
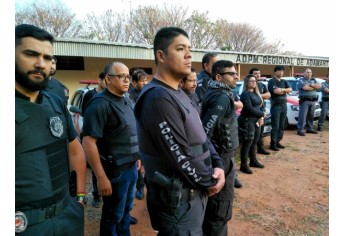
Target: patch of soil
[(289, 196)]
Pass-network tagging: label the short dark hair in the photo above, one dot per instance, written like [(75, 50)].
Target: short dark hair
[(101, 75), (253, 69), (26, 30), (279, 68), (220, 65), (164, 38), (207, 57), (137, 74)]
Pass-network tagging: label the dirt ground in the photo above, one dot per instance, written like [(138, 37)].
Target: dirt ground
[(289, 196)]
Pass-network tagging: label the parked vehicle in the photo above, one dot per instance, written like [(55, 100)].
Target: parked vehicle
[(267, 125), (76, 102), (292, 105), (293, 84)]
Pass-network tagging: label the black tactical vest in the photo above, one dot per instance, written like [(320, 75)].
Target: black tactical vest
[(225, 137), (122, 143), (41, 164), (197, 137)]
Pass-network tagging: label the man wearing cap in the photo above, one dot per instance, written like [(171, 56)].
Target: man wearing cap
[(278, 87)]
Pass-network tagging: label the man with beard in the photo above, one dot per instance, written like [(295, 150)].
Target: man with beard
[(55, 86), (47, 148)]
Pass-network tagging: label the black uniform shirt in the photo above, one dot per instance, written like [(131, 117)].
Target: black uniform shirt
[(56, 87), (251, 105), (171, 126), (275, 83), (87, 97)]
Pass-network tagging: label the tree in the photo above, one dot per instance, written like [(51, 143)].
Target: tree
[(108, 26), (145, 21), (240, 37), (53, 16), (201, 30), (141, 25)]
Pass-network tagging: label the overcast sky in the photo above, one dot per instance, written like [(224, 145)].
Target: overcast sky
[(301, 25)]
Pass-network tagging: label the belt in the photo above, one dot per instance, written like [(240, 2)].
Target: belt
[(190, 194), (125, 166), (35, 216), (311, 99)]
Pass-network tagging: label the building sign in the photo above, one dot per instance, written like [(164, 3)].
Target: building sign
[(280, 60)]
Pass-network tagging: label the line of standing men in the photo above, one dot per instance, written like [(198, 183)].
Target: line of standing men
[(187, 180)]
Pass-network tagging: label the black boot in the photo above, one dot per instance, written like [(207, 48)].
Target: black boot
[(245, 169), (255, 163), (244, 166), (238, 184), (262, 150)]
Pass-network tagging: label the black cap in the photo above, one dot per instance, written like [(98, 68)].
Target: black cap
[(279, 68)]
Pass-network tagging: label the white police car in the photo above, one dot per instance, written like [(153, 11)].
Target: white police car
[(76, 102), (292, 103), (267, 126)]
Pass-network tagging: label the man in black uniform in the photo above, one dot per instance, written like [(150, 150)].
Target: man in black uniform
[(218, 115), (139, 80), (89, 94), (278, 87), (97, 198), (55, 86), (265, 94), (47, 148), (111, 147), (181, 165), (188, 85), (206, 74)]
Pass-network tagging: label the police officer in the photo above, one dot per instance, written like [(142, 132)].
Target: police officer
[(47, 148), (250, 121), (55, 86), (218, 115), (206, 74), (188, 85), (181, 165), (111, 147), (324, 103), (265, 94), (139, 80), (307, 87), (97, 198), (278, 87)]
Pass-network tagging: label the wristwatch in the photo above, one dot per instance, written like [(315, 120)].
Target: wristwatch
[(82, 198)]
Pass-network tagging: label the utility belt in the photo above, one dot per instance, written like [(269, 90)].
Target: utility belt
[(311, 99), (36, 216), (325, 99), (278, 103), (120, 161), (171, 191)]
